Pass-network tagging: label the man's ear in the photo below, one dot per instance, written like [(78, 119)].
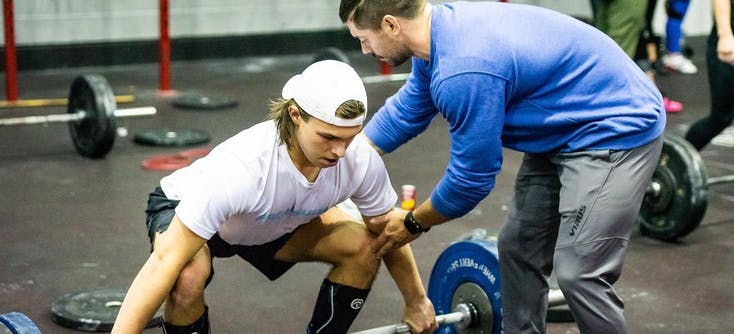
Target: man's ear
[(390, 24), (295, 114)]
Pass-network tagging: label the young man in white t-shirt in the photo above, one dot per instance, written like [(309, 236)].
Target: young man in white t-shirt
[(269, 195)]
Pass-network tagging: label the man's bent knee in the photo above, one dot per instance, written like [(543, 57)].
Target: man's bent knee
[(355, 247), (189, 287)]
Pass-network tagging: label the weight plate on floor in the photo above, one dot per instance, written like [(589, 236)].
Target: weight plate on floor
[(464, 263), (92, 311), (171, 137), (94, 135), (17, 323), (171, 162), (330, 53), (203, 102), (677, 208)]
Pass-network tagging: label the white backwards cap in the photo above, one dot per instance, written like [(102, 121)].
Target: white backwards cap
[(323, 87)]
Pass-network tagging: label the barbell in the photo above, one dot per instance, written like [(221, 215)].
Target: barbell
[(464, 288), (676, 199), (91, 114)]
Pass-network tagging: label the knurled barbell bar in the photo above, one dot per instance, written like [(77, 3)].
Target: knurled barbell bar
[(91, 114)]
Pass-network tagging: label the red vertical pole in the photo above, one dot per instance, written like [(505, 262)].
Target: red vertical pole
[(11, 66), (385, 68), (164, 49)]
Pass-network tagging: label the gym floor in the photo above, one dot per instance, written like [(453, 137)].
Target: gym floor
[(72, 224)]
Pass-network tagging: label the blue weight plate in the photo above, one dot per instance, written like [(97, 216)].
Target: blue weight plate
[(469, 261), (17, 323)]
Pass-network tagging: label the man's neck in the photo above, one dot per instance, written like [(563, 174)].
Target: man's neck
[(308, 170), (418, 31)]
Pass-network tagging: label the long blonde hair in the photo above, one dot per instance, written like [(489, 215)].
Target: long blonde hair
[(279, 113)]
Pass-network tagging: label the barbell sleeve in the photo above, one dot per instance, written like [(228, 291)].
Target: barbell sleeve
[(135, 112), (720, 179)]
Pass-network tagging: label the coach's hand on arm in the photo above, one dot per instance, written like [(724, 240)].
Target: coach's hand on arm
[(395, 232), (173, 249)]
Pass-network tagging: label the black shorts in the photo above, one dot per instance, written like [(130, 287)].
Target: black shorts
[(160, 212)]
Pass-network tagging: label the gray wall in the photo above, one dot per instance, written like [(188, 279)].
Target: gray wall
[(697, 21), (81, 21), (52, 22)]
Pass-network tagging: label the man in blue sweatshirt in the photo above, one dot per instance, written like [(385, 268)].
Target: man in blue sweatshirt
[(533, 80)]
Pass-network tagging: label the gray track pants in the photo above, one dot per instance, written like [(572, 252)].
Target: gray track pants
[(572, 213)]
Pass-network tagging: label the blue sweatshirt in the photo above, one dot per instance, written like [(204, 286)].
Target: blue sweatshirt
[(519, 76)]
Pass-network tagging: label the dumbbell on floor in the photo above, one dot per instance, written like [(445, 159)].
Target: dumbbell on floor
[(91, 114)]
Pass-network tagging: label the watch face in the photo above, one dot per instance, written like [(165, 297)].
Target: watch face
[(411, 225)]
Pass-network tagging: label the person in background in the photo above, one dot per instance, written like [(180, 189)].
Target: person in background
[(720, 62), (623, 21), (674, 59)]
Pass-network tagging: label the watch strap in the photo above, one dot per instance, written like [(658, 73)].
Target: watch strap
[(412, 225)]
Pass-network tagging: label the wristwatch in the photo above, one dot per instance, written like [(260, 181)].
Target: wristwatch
[(412, 225)]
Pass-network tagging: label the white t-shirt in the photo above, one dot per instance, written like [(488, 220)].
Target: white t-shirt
[(248, 189)]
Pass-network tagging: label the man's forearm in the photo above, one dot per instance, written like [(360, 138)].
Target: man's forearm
[(144, 297), (722, 17), (404, 271), (173, 250), (427, 216)]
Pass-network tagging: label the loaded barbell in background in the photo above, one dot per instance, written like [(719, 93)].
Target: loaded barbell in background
[(676, 199), (91, 114)]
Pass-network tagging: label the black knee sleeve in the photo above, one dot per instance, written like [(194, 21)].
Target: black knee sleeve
[(200, 326), (336, 308)]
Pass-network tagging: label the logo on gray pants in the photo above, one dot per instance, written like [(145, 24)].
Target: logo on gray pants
[(577, 220)]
